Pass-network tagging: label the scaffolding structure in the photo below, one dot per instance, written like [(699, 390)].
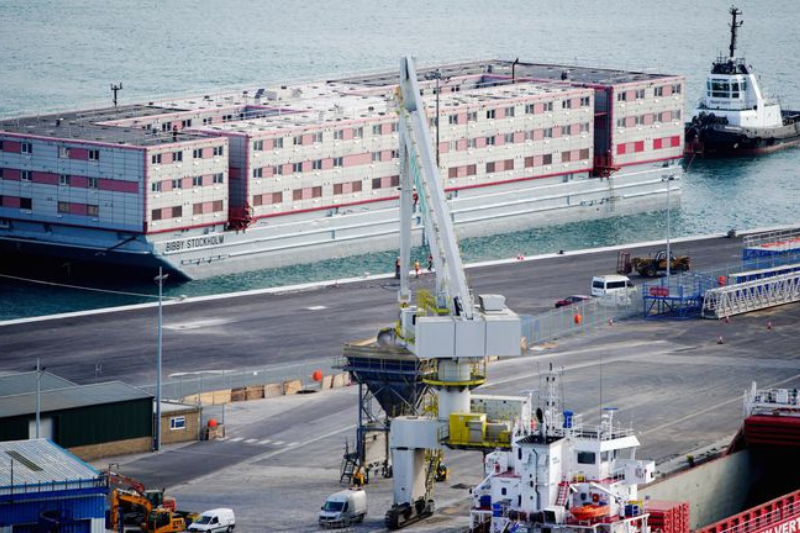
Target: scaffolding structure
[(680, 296), (391, 382)]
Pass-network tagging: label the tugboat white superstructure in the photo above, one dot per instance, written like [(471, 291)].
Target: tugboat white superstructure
[(563, 476), (734, 116)]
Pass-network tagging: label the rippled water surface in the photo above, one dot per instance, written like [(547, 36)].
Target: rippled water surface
[(59, 55)]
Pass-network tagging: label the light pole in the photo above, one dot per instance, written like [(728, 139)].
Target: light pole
[(160, 280), (38, 398), (436, 75), (669, 179)]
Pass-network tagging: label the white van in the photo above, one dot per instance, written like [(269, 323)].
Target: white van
[(344, 508), (613, 287), (215, 520)]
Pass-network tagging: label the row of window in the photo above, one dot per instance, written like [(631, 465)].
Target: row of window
[(638, 146), (197, 209), (639, 94), (509, 164), (178, 183), (310, 193), (520, 136), (177, 156), (649, 118), (25, 147), (64, 180), (63, 207)]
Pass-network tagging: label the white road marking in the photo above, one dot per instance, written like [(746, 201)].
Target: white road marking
[(278, 443), (237, 439), (265, 441), (250, 441), (198, 324), (293, 444), (316, 308)]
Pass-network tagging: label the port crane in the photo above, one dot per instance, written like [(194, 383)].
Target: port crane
[(451, 329)]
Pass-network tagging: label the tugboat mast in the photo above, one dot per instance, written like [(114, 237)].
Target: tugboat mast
[(734, 26)]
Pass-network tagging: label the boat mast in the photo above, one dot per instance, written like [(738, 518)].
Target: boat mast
[(734, 26)]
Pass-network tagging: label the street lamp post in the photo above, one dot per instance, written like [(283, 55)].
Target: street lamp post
[(669, 179), (436, 75), (38, 398), (160, 280)]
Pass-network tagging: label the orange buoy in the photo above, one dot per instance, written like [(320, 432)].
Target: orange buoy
[(317, 375), (212, 423), (578, 319), (721, 281)]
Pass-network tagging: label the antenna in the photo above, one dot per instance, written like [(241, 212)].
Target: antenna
[(115, 89), (734, 26)]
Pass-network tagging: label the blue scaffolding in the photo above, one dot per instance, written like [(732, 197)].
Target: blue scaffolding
[(681, 297)]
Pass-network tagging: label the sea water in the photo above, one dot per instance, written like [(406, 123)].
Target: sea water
[(64, 55)]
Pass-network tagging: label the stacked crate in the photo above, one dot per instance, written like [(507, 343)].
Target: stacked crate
[(668, 516)]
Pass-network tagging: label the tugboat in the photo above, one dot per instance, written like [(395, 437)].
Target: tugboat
[(734, 117)]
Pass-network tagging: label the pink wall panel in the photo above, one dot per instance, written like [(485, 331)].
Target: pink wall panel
[(538, 161), (386, 155), (461, 145), (78, 181), (386, 182), (12, 174), (499, 113), (166, 158), (462, 118), (208, 179), (12, 147), (444, 147), (538, 108), (187, 183), (77, 209), (519, 136), (269, 144), (648, 119), (556, 132), (166, 185), (11, 201), (630, 122), (576, 103), (208, 153), (480, 142), (118, 185), (45, 177), (287, 169), (267, 172), (208, 207), (357, 159), (630, 95), (308, 139), (538, 135), (386, 129), (667, 116), (498, 140), (327, 163), (347, 134), (306, 166), (462, 172), (307, 193), (667, 90), (79, 153)]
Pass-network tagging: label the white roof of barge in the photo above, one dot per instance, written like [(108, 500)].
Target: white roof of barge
[(318, 104)]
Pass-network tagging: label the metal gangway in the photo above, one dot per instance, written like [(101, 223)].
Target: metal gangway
[(750, 296)]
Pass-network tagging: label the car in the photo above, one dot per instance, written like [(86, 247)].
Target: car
[(569, 300)]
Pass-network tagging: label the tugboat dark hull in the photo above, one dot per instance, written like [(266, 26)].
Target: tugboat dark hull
[(708, 136)]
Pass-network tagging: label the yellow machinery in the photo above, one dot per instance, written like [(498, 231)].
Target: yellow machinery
[(162, 520), (471, 430)]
